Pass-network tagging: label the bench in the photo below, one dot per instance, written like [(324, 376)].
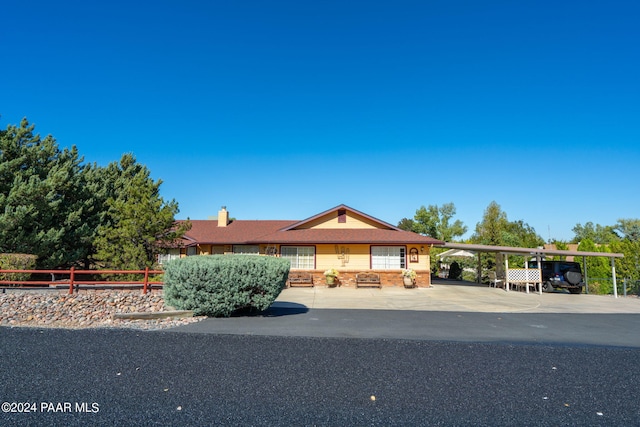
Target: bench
[(300, 279), (368, 279)]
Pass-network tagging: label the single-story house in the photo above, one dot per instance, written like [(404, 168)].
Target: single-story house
[(340, 238)]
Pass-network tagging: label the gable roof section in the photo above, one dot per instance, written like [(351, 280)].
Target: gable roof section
[(376, 221)]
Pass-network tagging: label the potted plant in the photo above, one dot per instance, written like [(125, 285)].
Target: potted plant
[(409, 278), (331, 275)]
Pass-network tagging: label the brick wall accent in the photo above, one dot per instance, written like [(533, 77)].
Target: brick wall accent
[(347, 278)]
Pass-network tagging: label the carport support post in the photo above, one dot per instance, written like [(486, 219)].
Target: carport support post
[(613, 273), (506, 272), (526, 267), (539, 261), (586, 278)]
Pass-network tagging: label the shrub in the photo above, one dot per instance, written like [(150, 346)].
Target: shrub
[(469, 276), (219, 285), (455, 271), (17, 262), (601, 286)]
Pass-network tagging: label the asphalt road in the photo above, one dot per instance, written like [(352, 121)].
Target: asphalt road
[(537, 328), (172, 378)]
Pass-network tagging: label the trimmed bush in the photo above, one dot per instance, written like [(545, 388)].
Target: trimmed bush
[(219, 285), (17, 262)]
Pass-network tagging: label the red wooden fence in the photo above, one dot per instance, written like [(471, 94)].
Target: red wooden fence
[(73, 280)]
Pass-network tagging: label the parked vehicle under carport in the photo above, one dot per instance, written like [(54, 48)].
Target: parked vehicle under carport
[(560, 275)]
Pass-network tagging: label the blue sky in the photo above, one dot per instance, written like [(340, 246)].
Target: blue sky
[(283, 109)]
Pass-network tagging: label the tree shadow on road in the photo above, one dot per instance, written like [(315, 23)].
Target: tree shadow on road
[(277, 309), (448, 282)]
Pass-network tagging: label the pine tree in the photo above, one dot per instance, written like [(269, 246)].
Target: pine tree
[(43, 208), (138, 221)]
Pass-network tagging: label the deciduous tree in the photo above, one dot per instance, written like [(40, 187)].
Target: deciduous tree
[(597, 233), (628, 266), (435, 222), (495, 229), (597, 267), (491, 230), (628, 228)]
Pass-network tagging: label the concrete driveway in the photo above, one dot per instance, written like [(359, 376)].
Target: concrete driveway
[(454, 296)]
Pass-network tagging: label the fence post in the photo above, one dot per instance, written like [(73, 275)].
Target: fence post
[(624, 283), (71, 277), (146, 280)]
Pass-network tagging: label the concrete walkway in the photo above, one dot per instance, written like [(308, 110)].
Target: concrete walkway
[(453, 296)]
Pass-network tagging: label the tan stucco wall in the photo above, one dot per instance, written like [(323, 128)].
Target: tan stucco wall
[(358, 257), (352, 221), (342, 257), (424, 258)]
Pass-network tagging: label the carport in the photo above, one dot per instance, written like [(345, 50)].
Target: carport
[(528, 275)]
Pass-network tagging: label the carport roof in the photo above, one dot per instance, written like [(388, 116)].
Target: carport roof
[(524, 251), (456, 253)]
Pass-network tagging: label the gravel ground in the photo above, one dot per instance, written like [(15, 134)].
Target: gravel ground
[(85, 310)]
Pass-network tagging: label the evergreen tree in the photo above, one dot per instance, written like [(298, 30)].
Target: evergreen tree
[(43, 206), (138, 221), (68, 213)]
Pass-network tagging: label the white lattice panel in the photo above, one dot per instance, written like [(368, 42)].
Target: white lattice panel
[(522, 275)]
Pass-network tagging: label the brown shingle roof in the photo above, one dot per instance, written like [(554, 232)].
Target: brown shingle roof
[(277, 232), (207, 232)]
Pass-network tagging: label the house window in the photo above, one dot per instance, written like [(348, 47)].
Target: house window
[(301, 257), (271, 250), (388, 257), (192, 250), (171, 254), (246, 249)]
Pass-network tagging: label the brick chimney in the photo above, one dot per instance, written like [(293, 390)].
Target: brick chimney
[(223, 217)]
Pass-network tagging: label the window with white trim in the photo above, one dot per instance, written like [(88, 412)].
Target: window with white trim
[(246, 249), (388, 257), (171, 254), (301, 257)]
